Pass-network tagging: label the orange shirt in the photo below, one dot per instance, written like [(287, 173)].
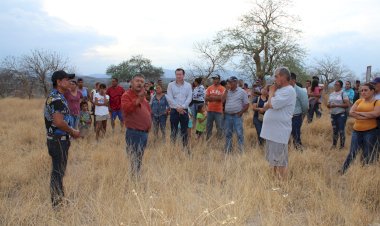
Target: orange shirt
[(215, 106), (367, 124)]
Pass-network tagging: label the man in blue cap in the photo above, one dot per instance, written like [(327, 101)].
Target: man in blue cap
[(236, 100), (58, 129)]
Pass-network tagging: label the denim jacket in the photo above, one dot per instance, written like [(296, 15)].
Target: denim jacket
[(159, 107)]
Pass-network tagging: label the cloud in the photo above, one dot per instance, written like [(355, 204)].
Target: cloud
[(342, 28), (95, 34), (24, 26), (163, 31)]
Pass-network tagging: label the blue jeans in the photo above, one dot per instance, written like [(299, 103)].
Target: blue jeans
[(118, 114), (183, 120), (211, 117), (365, 140), (194, 109), (258, 125), (234, 123), (313, 108), (338, 122), (296, 130), (136, 143), (159, 122), (74, 121)]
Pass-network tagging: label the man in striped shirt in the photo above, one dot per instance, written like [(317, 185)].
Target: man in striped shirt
[(236, 104)]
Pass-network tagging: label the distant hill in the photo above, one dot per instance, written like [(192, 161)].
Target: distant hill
[(98, 75), (89, 81)]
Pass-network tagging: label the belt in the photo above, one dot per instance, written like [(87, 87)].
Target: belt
[(340, 113), (58, 137), (231, 113), (138, 130), (174, 109)]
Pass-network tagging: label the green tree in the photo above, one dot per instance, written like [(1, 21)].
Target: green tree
[(296, 66), (137, 64), (265, 38)]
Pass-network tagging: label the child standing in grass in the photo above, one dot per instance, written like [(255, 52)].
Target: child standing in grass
[(84, 119), (201, 121), (101, 100)]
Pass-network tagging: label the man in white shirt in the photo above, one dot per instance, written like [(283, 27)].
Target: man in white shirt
[(277, 123), (179, 95)]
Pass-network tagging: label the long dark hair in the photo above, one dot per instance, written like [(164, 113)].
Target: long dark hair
[(314, 84), (198, 80), (199, 108)]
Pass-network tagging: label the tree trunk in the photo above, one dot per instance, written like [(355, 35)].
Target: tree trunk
[(44, 85), (259, 71)]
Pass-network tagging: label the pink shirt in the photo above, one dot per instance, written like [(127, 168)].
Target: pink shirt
[(74, 102)]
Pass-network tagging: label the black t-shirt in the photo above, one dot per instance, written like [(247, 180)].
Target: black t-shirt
[(56, 102), (260, 104), (356, 94)]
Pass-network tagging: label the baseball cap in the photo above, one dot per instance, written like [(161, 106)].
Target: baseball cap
[(376, 80), (59, 75), (216, 76), (232, 79)]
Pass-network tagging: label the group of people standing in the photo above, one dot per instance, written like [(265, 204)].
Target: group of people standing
[(279, 111)]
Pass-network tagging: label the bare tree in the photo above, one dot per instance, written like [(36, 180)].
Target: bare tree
[(20, 80), (211, 59), (32, 70), (41, 63), (330, 69), (6, 83), (265, 35)]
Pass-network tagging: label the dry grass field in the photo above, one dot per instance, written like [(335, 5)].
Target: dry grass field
[(207, 189)]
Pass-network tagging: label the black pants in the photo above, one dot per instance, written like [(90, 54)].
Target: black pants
[(58, 150), (183, 120)]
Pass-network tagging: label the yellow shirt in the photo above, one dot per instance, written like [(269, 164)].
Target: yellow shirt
[(366, 124)]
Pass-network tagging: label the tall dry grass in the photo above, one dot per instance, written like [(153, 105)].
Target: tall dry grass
[(207, 189)]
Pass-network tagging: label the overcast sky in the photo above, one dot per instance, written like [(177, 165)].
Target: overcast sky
[(95, 34)]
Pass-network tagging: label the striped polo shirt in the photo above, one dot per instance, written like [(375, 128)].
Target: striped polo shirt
[(235, 100)]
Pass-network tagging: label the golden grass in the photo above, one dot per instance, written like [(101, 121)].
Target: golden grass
[(207, 189)]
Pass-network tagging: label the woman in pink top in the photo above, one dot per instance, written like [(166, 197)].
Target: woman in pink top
[(314, 93), (74, 98)]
